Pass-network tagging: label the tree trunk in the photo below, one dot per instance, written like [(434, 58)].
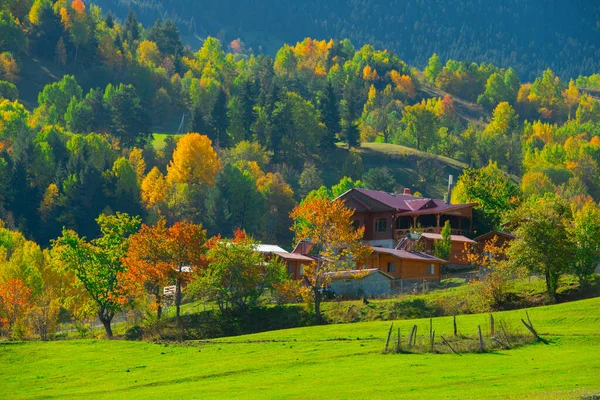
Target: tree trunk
[(318, 305), (158, 305), (178, 295), (106, 318), (550, 285)]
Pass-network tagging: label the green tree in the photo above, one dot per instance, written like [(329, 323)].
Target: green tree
[(433, 69), (98, 264), (421, 123), (444, 245), (237, 275), (542, 241), (492, 190), (330, 116), (585, 234), (380, 178), (130, 122), (310, 179)]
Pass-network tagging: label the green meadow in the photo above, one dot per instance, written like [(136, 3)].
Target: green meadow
[(334, 361)]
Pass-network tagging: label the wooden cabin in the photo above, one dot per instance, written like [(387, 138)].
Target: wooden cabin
[(405, 265), (499, 239), (388, 218), (294, 262)]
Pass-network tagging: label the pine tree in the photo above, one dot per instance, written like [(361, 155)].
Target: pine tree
[(330, 116)]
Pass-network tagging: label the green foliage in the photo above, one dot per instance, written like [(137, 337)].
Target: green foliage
[(585, 234), (8, 91), (237, 274), (98, 265), (543, 244), (491, 189), (379, 179), (444, 245)]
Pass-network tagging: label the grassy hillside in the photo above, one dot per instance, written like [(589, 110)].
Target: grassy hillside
[(335, 361)]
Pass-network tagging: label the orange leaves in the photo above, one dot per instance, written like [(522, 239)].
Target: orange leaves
[(403, 83), (78, 7), (370, 74), (194, 161), (15, 300)]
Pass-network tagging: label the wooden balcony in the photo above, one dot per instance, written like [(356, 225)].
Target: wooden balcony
[(400, 233)]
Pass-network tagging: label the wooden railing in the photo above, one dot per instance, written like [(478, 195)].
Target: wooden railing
[(400, 233)]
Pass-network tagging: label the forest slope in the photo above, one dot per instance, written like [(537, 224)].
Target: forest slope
[(528, 36)]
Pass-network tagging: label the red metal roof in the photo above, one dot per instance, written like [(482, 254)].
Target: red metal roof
[(410, 255), (407, 203)]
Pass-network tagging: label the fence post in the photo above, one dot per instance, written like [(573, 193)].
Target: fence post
[(480, 339)]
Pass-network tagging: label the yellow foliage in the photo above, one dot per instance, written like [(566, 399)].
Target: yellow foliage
[(194, 161), (148, 53), (49, 200), (370, 74), (154, 190), (136, 159), (403, 83)]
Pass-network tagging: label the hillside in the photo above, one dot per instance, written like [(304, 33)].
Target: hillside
[(529, 36), (336, 361)]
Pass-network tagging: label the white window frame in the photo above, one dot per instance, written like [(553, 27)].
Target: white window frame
[(431, 269)]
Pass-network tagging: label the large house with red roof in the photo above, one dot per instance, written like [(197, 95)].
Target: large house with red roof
[(388, 218)]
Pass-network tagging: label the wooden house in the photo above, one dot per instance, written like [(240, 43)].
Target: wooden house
[(295, 262), (499, 239), (405, 265), (388, 218)]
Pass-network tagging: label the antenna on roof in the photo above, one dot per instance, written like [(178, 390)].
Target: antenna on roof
[(450, 186)]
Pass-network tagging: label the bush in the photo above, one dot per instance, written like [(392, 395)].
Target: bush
[(136, 332), (8, 91)]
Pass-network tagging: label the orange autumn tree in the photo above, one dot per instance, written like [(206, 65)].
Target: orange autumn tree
[(148, 263), (337, 245), (185, 247), (15, 300)]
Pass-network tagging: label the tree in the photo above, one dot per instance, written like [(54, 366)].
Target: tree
[(15, 300), (542, 241), (433, 69), (98, 264), (585, 234), (237, 274), (130, 121), (422, 124), (379, 179), (153, 189), (329, 227), (491, 189), (330, 116), (185, 247), (194, 161), (444, 245), (310, 179)]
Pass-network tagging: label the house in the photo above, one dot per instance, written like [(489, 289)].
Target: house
[(358, 283), (388, 218), (294, 262), (405, 265)]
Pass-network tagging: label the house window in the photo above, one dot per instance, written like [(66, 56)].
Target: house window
[(431, 269), (290, 269), (381, 225), (391, 267), (301, 270)]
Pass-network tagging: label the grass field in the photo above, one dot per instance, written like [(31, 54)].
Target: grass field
[(315, 363)]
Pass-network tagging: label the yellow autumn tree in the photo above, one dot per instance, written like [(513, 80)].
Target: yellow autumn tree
[(154, 190), (148, 53), (136, 159), (194, 161)]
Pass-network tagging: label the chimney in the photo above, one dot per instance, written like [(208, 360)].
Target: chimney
[(407, 191), (450, 185)]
